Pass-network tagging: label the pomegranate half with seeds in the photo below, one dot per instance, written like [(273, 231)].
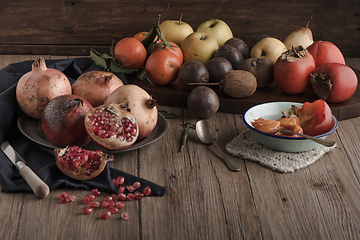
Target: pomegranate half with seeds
[(112, 126), (80, 163)]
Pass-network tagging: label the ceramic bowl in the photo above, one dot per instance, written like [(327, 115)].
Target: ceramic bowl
[(272, 110)]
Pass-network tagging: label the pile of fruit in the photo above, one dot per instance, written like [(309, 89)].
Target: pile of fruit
[(97, 107), (212, 56)]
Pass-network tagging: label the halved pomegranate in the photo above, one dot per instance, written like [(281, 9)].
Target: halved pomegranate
[(80, 163), (112, 126)]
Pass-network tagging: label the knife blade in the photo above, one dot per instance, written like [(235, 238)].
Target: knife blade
[(38, 186)]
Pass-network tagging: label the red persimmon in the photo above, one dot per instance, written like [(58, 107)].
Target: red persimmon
[(325, 52), (292, 70), (334, 82)]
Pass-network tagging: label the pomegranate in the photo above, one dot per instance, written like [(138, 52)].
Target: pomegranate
[(63, 121), (35, 89), (96, 86), (142, 106), (80, 163), (112, 126)]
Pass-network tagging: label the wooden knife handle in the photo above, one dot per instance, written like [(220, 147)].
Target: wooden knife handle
[(40, 188)]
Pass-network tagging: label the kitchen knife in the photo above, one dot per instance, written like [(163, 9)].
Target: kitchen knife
[(40, 188)]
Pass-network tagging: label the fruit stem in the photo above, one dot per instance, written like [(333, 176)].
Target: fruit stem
[(204, 84), (180, 19), (151, 103), (308, 22)]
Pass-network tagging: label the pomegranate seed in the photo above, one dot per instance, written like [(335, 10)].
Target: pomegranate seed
[(63, 195), (113, 209), (130, 188), (121, 189), (119, 205), (114, 196), (91, 196), (96, 192), (120, 180), (86, 200), (87, 210), (138, 195), (72, 197), (64, 200), (94, 204), (136, 185), (147, 191), (125, 216), (122, 196), (112, 203), (115, 182), (105, 204), (108, 198), (131, 196), (105, 215)]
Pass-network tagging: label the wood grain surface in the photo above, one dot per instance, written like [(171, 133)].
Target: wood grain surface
[(204, 200), (72, 27)]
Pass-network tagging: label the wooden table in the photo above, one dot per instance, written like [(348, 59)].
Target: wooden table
[(204, 200)]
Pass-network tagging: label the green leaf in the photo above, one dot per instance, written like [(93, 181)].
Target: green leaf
[(98, 60), (141, 74), (166, 114), (116, 68)]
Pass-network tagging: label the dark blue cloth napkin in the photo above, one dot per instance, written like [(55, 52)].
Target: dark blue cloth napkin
[(42, 159)]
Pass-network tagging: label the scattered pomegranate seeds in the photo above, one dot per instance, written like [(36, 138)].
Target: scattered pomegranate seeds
[(136, 185), (130, 188), (125, 216), (122, 189), (147, 191), (72, 197), (86, 200), (130, 196), (112, 203), (119, 205), (105, 215), (113, 209), (120, 180), (87, 210), (96, 192), (122, 196)]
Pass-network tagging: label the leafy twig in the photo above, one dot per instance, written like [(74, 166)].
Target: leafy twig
[(187, 130), (166, 114)]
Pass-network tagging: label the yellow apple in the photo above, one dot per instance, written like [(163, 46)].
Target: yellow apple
[(268, 47), (218, 29), (175, 30), (199, 46)]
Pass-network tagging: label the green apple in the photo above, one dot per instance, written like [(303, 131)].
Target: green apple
[(218, 29), (199, 46), (268, 47), (175, 30)]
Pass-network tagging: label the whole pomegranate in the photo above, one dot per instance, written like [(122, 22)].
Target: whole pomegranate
[(35, 89), (112, 126), (63, 121), (96, 86), (80, 163), (142, 106)]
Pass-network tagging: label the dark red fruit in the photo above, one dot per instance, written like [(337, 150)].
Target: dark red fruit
[(81, 164), (63, 121), (105, 215), (192, 72), (203, 102)]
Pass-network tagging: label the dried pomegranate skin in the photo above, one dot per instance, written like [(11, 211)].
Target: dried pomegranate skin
[(81, 164), (63, 121), (112, 126)]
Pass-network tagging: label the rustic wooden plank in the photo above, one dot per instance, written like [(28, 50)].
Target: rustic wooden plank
[(66, 24)]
